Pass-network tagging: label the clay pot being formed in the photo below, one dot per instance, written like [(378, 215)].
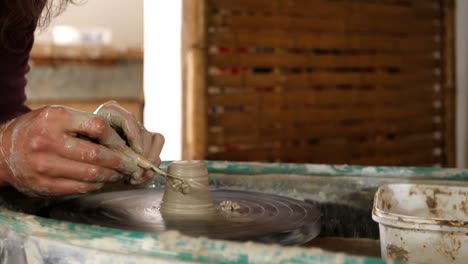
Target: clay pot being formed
[(198, 200)]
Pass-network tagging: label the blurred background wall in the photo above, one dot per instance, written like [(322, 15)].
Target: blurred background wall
[(462, 81), (123, 17), (96, 56)]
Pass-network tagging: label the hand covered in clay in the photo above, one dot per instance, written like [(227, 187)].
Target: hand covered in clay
[(43, 155), (145, 143)]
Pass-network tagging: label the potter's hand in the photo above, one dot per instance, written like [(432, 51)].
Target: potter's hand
[(42, 155), (145, 143)]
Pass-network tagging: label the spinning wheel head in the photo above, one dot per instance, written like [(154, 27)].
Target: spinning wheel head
[(260, 217)]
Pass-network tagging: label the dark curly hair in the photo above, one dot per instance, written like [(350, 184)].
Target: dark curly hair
[(26, 15)]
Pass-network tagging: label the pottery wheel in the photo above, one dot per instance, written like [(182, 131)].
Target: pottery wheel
[(261, 217)]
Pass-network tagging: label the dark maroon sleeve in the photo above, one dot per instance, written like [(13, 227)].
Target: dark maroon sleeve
[(13, 68)]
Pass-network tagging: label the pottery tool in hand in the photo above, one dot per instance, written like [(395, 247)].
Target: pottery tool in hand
[(177, 183)]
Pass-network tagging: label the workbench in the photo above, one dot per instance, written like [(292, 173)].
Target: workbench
[(343, 193)]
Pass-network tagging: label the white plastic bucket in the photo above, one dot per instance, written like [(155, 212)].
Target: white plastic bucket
[(422, 223)]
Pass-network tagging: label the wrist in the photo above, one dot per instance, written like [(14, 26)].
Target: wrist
[(4, 171), (4, 166)]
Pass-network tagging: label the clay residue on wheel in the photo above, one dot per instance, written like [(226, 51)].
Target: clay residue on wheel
[(229, 206), (397, 253)]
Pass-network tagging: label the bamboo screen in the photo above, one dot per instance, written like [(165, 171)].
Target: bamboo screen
[(337, 81)]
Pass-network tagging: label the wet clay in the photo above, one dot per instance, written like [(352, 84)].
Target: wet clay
[(229, 206), (178, 184), (196, 202)]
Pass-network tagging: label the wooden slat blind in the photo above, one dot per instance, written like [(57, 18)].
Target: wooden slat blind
[(323, 81)]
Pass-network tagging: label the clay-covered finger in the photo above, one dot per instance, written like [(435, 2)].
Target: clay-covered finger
[(48, 187), (156, 147), (137, 177), (150, 174), (57, 167), (87, 152), (95, 127), (120, 118), (147, 141)]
